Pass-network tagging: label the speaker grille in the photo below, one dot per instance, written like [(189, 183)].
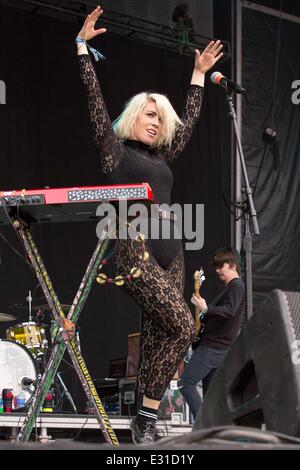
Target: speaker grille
[(293, 299)]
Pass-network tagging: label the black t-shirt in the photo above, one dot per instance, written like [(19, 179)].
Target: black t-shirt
[(224, 316)]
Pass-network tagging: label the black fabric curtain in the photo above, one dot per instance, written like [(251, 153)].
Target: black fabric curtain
[(271, 52), (46, 140)]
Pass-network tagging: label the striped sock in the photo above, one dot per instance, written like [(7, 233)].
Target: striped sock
[(147, 414)]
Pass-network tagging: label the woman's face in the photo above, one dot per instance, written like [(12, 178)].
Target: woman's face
[(148, 125)]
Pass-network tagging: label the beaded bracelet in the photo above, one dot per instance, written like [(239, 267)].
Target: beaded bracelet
[(97, 54)]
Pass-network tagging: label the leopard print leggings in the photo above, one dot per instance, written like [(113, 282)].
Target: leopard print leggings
[(167, 323)]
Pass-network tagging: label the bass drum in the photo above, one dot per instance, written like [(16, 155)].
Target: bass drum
[(16, 364)]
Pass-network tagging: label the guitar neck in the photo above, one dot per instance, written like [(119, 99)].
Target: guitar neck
[(198, 279), (197, 313)]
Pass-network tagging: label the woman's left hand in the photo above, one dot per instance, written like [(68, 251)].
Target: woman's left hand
[(211, 54)]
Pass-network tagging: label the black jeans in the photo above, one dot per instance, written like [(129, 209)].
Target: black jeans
[(201, 367)]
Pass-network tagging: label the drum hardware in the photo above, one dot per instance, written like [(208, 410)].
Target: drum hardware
[(26, 382), (44, 437), (66, 392), (29, 300), (23, 360), (17, 363), (19, 373), (5, 317), (45, 307), (30, 335)]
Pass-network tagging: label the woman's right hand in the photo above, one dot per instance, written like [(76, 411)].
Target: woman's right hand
[(88, 30)]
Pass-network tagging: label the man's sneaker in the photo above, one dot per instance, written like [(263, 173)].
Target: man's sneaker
[(142, 432)]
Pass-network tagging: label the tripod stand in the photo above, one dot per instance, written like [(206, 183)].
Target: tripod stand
[(66, 392)]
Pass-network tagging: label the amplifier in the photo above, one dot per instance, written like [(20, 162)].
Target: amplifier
[(108, 391), (128, 398), (173, 406), (119, 398)]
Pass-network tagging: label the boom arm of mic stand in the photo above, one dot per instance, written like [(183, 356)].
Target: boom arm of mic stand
[(248, 212)]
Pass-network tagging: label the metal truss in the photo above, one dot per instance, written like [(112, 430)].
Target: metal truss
[(138, 29)]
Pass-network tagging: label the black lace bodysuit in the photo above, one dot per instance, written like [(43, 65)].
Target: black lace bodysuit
[(167, 326)]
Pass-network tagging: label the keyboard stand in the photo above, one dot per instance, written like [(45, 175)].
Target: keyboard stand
[(64, 342)]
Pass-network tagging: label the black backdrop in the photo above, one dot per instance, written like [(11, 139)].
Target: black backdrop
[(45, 140), (269, 68)]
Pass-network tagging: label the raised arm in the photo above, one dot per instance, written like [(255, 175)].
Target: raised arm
[(109, 146), (193, 102)]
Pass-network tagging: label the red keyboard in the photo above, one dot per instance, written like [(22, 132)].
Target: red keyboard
[(66, 204)]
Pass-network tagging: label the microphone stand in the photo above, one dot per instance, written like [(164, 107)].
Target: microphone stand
[(248, 211), (66, 392)]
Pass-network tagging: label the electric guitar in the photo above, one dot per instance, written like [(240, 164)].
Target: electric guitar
[(198, 280)]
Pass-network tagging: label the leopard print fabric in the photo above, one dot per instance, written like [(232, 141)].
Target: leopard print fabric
[(167, 324)]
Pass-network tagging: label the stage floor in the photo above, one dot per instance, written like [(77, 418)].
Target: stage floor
[(48, 424)]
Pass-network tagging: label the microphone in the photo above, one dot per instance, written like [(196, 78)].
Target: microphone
[(26, 381), (218, 79)]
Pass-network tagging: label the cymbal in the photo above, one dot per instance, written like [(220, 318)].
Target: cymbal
[(6, 317), (64, 307)]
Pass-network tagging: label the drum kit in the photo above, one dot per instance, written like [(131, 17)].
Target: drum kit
[(24, 351)]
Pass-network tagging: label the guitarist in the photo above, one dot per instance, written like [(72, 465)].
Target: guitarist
[(221, 324)]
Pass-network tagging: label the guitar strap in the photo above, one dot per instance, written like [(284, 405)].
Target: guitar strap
[(218, 297)]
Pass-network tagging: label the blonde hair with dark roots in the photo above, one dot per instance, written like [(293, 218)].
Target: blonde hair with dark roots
[(124, 124)]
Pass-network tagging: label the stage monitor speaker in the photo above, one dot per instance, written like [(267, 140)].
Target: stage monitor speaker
[(258, 383)]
